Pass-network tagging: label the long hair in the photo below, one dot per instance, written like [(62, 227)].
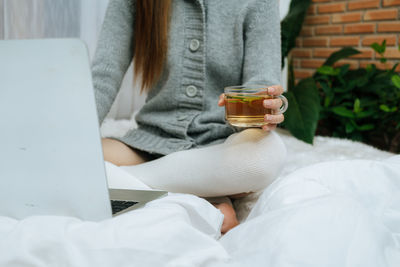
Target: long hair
[(151, 40)]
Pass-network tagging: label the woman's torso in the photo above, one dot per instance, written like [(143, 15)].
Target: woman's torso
[(206, 52)]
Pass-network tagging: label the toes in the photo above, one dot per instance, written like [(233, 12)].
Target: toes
[(230, 219)]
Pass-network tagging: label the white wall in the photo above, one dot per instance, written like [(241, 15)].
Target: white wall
[(27, 19)]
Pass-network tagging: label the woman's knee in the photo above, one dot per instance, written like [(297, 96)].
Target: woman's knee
[(268, 155), (259, 141), (119, 153), (275, 143)]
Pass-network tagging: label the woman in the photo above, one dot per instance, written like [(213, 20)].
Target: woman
[(185, 52)]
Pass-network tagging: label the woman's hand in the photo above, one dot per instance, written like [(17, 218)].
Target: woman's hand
[(274, 104)]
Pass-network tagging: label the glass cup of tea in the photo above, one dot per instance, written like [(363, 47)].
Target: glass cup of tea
[(244, 105)]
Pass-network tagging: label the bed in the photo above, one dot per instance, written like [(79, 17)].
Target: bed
[(336, 203)]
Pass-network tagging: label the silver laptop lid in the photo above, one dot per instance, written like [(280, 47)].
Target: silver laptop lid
[(51, 160)]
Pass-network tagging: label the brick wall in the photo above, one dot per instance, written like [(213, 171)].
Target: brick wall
[(333, 24)]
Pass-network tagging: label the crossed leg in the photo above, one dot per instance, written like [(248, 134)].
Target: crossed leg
[(246, 162)]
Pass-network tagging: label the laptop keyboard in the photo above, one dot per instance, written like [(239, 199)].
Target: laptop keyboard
[(118, 205)]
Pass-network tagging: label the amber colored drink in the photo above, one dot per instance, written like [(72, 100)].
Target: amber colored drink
[(246, 110)]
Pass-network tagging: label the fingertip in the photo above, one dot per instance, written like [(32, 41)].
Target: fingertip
[(265, 128), (271, 90), (275, 90), (221, 100), (283, 118)]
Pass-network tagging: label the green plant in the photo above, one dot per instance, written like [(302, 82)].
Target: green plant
[(291, 25), (302, 115), (361, 104), (380, 49)]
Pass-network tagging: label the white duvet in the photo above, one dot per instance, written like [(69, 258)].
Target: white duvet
[(337, 203)]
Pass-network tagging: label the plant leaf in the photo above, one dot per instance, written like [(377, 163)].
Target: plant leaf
[(378, 48), (327, 101), (344, 112), (356, 106), (366, 127), (350, 85), (342, 53), (396, 80), (291, 79), (325, 87), (364, 114), (328, 70), (291, 25), (344, 69), (369, 68), (385, 108), (362, 81), (394, 66), (349, 127), (301, 118)]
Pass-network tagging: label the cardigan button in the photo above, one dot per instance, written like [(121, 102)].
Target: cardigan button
[(191, 91), (194, 45)]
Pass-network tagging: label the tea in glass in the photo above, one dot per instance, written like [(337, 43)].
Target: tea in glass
[(244, 105)]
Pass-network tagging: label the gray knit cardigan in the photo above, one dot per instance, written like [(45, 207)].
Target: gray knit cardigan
[(212, 44)]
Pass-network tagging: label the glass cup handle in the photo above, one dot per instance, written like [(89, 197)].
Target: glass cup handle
[(284, 106)]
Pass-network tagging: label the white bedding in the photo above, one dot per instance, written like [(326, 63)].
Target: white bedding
[(337, 203)]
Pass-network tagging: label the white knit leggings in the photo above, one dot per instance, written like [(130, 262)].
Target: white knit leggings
[(247, 161)]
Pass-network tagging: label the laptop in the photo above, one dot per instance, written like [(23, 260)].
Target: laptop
[(51, 160)]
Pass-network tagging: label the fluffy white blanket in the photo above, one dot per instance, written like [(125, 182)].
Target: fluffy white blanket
[(337, 203)]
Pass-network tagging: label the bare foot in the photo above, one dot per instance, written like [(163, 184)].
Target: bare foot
[(230, 219)]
